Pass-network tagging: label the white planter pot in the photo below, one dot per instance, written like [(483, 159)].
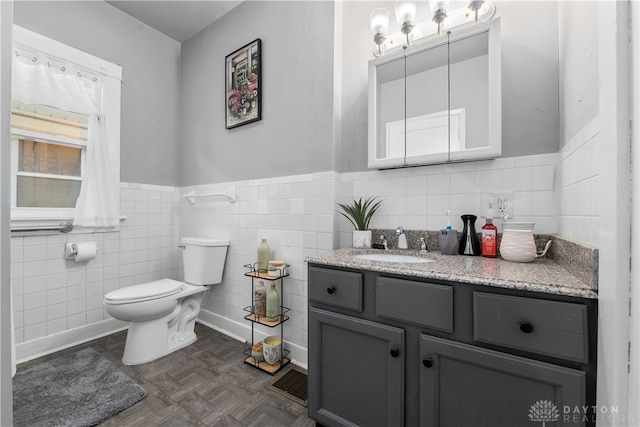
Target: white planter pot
[(362, 238)]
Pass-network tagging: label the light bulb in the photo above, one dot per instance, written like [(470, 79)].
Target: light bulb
[(380, 21), (405, 11), (439, 10)]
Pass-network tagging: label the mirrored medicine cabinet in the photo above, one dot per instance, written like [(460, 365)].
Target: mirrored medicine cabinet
[(437, 102)]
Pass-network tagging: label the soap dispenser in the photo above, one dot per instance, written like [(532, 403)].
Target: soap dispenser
[(469, 242), (489, 237), (448, 238)]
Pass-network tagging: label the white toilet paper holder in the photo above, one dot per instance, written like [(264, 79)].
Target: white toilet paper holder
[(69, 251)]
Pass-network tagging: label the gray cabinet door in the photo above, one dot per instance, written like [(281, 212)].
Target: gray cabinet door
[(356, 371), (463, 385)]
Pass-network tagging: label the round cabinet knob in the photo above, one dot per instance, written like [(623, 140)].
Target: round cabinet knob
[(526, 326), (331, 289), (394, 352), (427, 361)]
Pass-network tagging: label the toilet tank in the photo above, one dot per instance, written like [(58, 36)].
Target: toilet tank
[(203, 259)]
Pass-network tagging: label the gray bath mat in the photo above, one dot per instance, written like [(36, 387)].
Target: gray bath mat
[(79, 389)]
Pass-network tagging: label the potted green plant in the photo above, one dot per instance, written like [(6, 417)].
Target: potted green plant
[(359, 213)]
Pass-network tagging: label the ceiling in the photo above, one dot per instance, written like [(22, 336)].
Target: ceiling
[(177, 19)]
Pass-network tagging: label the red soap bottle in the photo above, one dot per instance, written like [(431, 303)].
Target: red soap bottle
[(489, 239)]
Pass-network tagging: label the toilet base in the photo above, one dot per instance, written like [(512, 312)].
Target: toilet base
[(151, 340), (133, 359)]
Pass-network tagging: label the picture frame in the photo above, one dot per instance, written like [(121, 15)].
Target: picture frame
[(243, 85)]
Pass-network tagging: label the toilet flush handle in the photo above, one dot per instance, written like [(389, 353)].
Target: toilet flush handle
[(182, 246)]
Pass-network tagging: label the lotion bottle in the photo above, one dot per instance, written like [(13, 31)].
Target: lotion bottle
[(489, 238), (273, 304), (264, 254)]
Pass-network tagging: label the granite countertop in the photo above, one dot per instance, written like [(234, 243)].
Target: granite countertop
[(541, 275)]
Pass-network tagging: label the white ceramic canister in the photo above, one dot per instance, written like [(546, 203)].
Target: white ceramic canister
[(517, 242), (271, 349), (276, 268)]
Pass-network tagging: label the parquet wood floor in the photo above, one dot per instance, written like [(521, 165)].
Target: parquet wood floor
[(204, 384)]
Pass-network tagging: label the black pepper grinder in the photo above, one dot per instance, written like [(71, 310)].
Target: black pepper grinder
[(469, 243)]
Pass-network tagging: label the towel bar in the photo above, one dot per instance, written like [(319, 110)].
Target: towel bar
[(229, 194), (63, 227)]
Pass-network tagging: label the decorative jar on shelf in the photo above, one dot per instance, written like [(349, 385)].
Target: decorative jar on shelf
[(271, 349), (260, 300), (276, 268)]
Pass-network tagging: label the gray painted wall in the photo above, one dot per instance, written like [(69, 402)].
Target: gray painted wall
[(295, 133), (173, 102), (151, 70), (578, 34), (529, 78)]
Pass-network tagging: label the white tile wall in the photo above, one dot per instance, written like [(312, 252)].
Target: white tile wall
[(417, 198), (298, 213), (577, 183), (298, 216), (295, 213), (53, 295)]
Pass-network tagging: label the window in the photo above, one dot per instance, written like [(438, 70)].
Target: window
[(65, 142), (49, 148)]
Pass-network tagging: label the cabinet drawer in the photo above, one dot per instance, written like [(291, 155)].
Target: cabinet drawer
[(337, 288), (552, 328), (424, 304)]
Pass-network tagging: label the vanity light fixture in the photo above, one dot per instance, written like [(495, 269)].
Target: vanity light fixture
[(379, 26), (405, 14), (439, 10), (441, 18), (474, 6)]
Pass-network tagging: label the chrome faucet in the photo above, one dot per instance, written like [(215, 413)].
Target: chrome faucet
[(402, 238), (383, 241), (423, 246)]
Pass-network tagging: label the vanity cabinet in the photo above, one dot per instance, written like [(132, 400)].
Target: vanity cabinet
[(465, 385), (386, 349), (361, 370), (359, 364)]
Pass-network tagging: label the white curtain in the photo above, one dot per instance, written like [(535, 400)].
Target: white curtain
[(39, 79)]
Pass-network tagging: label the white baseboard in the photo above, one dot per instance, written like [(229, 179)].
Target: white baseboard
[(241, 331), (50, 344)]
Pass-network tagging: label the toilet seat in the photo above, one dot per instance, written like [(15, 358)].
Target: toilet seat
[(144, 292)]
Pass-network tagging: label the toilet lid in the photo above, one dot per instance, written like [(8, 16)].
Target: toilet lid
[(145, 291)]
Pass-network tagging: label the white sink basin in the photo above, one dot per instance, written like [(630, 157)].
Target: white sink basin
[(393, 258)]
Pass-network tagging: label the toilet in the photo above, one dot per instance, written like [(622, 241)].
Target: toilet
[(162, 313)]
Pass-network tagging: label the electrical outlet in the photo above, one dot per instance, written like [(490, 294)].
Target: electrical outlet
[(501, 203)]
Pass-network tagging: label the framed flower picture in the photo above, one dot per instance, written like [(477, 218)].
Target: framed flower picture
[(243, 80)]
